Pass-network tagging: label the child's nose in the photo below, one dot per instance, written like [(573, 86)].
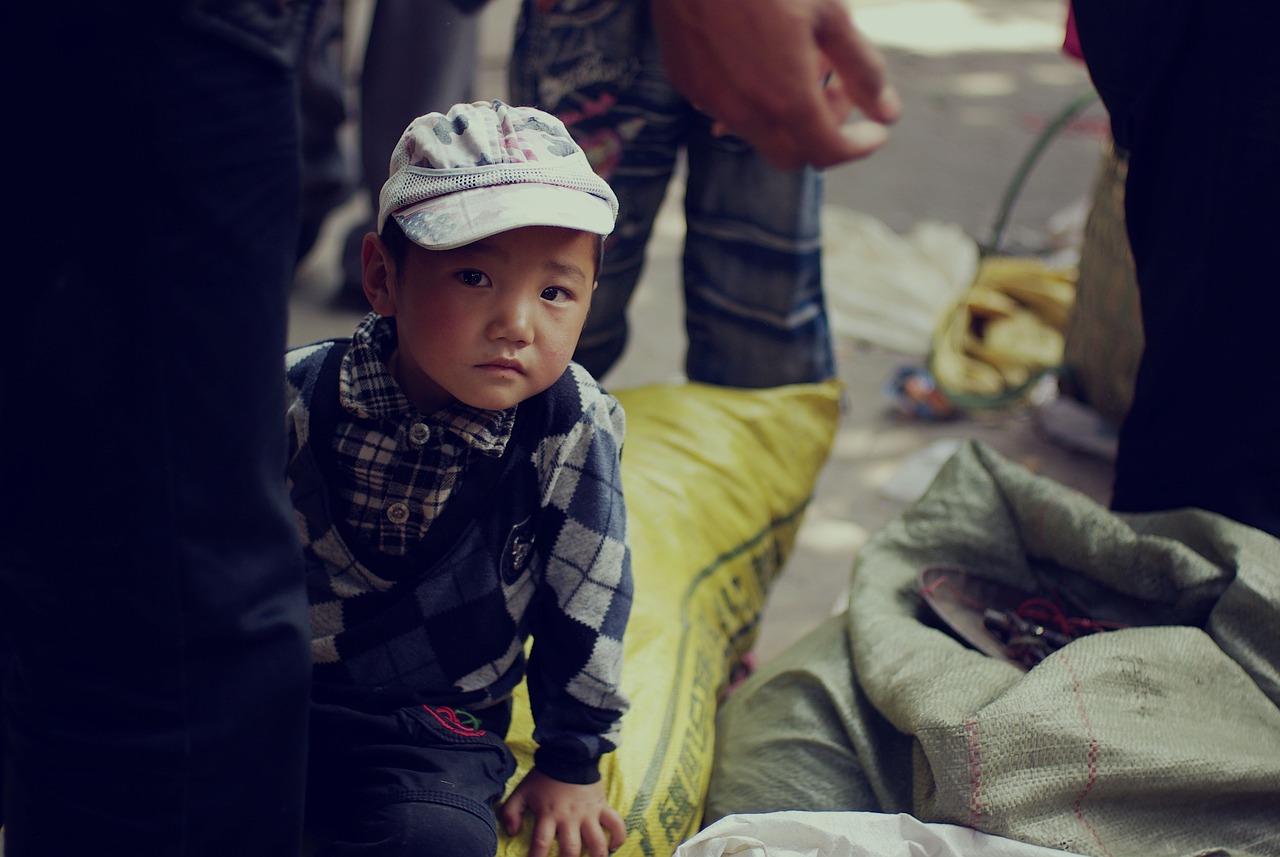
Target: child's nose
[(512, 320)]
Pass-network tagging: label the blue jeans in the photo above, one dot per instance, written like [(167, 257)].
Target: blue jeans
[(752, 268), (156, 668)]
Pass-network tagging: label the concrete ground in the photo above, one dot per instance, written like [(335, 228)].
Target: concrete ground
[(980, 79)]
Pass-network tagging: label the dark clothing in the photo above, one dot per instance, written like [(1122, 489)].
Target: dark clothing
[(151, 600), (391, 782), (387, 456), (1193, 88), (531, 543)]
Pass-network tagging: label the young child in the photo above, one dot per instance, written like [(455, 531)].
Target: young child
[(456, 483)]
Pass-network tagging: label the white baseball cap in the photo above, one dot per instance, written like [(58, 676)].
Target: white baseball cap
[(488, 167)]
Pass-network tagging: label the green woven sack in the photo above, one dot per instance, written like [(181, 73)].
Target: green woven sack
[(1158, 739)]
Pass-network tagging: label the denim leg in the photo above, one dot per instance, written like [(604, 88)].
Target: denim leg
[(754, 306), (150, 582), (755, 315), (653, 123), (595, 67)]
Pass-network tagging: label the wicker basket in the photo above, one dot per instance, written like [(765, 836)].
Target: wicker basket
[(1104, 338)]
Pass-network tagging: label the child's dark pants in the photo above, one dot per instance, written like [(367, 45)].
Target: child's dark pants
[(421, 779)]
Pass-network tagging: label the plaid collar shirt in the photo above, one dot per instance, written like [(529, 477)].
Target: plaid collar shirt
[(398, 467)]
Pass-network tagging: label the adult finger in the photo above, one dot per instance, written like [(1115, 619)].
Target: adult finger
[(813, 136), (860, 66), (809, 123)]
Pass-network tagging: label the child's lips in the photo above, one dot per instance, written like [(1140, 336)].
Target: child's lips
[(502, 364)]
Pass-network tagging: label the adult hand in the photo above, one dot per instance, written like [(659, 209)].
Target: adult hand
[(760, 69)]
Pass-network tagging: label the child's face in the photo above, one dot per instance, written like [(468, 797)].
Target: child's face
[(489, 324)]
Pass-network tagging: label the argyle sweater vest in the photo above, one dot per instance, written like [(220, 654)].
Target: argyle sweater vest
[(447, 623)]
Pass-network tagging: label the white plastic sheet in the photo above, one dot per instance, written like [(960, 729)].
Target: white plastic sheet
[(889, 289), (848, 834)]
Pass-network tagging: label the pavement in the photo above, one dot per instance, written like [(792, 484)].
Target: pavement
[(980, 79)]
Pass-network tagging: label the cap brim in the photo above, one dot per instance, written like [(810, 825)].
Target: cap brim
[(460, 218)]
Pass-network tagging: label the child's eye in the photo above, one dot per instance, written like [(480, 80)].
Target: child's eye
[(556, 294), (474, 278)]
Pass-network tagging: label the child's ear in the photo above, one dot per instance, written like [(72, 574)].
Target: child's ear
[(379, 272)]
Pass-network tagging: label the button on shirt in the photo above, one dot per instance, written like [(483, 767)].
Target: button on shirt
[(398, 466)]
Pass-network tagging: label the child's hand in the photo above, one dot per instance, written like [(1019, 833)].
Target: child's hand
[(578, 816)]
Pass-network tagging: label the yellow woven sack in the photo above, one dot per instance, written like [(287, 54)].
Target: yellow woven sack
[(716, 481), (1006, 331)]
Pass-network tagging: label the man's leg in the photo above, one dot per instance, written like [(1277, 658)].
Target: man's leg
[(327, 171), (1194, 93), (421, 56), (596, 69), (754, 305), (150, 584)]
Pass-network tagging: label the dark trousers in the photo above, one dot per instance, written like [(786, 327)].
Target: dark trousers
[(416, 780), (1193, 88), (420, 56), (156, 676)]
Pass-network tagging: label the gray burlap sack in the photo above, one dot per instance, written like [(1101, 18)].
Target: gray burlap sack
[(1162, 739)]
